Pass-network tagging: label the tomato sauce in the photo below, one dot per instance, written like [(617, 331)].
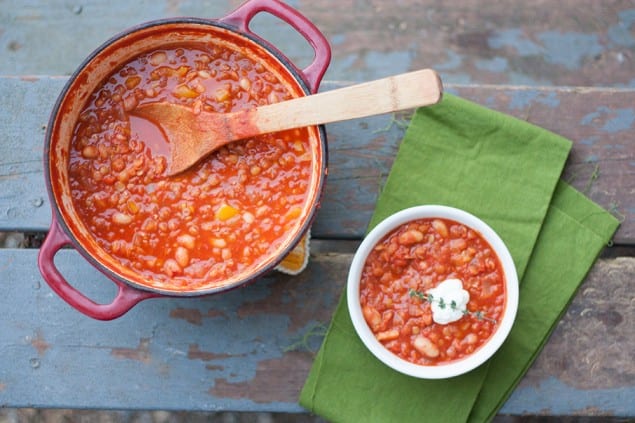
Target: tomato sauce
[(223, 216), (416, 257)]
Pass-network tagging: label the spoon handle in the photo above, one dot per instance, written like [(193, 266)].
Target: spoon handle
[(395, 93)]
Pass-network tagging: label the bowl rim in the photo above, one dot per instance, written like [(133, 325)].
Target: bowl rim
[(453, 368)]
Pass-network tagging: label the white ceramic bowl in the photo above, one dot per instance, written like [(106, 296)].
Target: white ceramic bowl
[(453, 368)]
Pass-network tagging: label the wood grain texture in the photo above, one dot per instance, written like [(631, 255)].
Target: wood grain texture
[(381, 96), (251, 349), (23, 119), (598, 121), (578, 43), (194, 135), (569, 69)]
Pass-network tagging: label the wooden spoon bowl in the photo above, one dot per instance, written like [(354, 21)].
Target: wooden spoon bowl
[(193, 135)]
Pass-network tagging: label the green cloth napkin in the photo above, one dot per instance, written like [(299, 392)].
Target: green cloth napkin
[(507, 172)]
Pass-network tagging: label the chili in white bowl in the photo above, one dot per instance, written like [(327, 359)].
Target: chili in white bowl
[(432, 291)]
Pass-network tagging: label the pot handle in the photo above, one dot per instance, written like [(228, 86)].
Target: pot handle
[(126, 298), (313, 73)]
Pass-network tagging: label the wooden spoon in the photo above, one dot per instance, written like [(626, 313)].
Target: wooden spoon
[(193, 135)]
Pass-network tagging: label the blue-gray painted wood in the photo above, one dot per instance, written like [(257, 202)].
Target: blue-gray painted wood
[(586, 43), (243, 350), (24, 114), (164, 354), (599, 122)]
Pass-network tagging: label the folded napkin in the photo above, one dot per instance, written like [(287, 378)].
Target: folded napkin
[(507, 172)]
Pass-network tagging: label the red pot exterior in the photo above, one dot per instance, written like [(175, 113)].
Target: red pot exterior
[(232, 30)]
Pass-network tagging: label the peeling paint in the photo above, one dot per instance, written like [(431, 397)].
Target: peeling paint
[(514, 38), (613, 402), (190, 315), (271, 382), (569, 49), (368, 65), (496, 64), (195, 316), (141, 353), (39, 343), (453, 61), (234, 357), (610, 120), (214, 367), (522, 99), (590, 140), (620, 34), (195, 353)]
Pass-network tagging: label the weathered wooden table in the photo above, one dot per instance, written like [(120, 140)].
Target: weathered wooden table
[(251, 349)]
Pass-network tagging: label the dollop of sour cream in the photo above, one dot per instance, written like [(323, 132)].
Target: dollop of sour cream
[(449, 301)]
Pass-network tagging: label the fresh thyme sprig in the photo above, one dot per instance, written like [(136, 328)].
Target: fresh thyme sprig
[(453, 306)]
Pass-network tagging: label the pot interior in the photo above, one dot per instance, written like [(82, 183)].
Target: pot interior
[(98, 69)]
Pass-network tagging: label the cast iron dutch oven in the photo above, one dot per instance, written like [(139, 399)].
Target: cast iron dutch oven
[(67, 228)]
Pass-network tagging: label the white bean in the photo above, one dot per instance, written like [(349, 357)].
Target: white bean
[(248, 217), (182, 256), (186, 240), (171, 267), (440, 227), (470, 339), (388, 335), (426, 347), (226, 253), (410, 237), (219, 243), (121, 218)]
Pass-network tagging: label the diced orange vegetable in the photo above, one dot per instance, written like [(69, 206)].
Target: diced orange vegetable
[(183, 91), (226, 212), (294, 213), (133, 207), (133, 81), (222, 94)]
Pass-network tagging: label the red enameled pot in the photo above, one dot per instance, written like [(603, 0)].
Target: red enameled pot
[(233, 31)]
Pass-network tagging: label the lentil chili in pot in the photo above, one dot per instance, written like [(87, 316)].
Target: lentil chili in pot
[(219, 225)]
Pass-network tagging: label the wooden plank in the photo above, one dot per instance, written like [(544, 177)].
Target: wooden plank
[(598, 121), (251, 349), (601, 165), (23, 118), (76, 29), (590, 352), (167, 354), (578, 43)]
